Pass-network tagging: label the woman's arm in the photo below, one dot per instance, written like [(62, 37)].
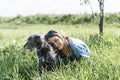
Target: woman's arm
[(79, 48)]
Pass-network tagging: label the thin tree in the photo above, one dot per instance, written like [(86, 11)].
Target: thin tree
[(101, 14)]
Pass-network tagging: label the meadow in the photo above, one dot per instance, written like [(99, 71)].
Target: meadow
[(16, 63)]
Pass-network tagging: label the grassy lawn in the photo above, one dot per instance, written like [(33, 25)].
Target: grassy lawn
[(20, 64)]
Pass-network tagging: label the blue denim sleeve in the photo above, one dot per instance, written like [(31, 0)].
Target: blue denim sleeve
[(79, 48)]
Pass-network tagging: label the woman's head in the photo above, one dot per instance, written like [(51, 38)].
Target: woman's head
[(58, 41), (55, 39)]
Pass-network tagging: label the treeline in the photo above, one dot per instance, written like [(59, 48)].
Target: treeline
[(59, 19)]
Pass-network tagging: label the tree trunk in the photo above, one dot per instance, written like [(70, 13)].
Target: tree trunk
[(101, 24), (101, 3)]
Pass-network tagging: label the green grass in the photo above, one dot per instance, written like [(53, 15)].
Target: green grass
[(17, 63)]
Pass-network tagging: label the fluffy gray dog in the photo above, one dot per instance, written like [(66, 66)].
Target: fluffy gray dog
[(47, 56)]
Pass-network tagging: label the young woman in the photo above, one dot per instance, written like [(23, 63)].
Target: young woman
[(69, 48)]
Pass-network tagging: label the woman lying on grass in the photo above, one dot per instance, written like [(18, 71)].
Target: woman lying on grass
[(69, 48)]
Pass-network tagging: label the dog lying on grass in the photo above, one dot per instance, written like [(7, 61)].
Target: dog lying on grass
[(47, 56)]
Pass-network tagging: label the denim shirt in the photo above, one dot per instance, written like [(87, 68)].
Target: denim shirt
[(79, 48)]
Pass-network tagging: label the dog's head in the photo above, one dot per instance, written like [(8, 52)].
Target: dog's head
[(34, 41), (47, 55)]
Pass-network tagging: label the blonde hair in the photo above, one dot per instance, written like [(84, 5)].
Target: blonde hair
[(66, 49)]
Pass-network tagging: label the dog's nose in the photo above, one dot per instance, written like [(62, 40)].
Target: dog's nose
[(25, 46)]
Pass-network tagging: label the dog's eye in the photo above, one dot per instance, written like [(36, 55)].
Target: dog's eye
[(29, 39)]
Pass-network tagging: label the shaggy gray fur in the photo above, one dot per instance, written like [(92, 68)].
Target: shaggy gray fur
[(47, 56)]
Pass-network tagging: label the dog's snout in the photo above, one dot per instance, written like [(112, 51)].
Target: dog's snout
[(28, 46), (25, 46)]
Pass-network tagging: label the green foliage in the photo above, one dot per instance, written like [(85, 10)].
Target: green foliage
[(51, 19), (17, 63), (68, 19), (110, 18)]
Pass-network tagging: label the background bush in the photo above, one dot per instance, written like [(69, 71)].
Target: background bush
[(59, 19)]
